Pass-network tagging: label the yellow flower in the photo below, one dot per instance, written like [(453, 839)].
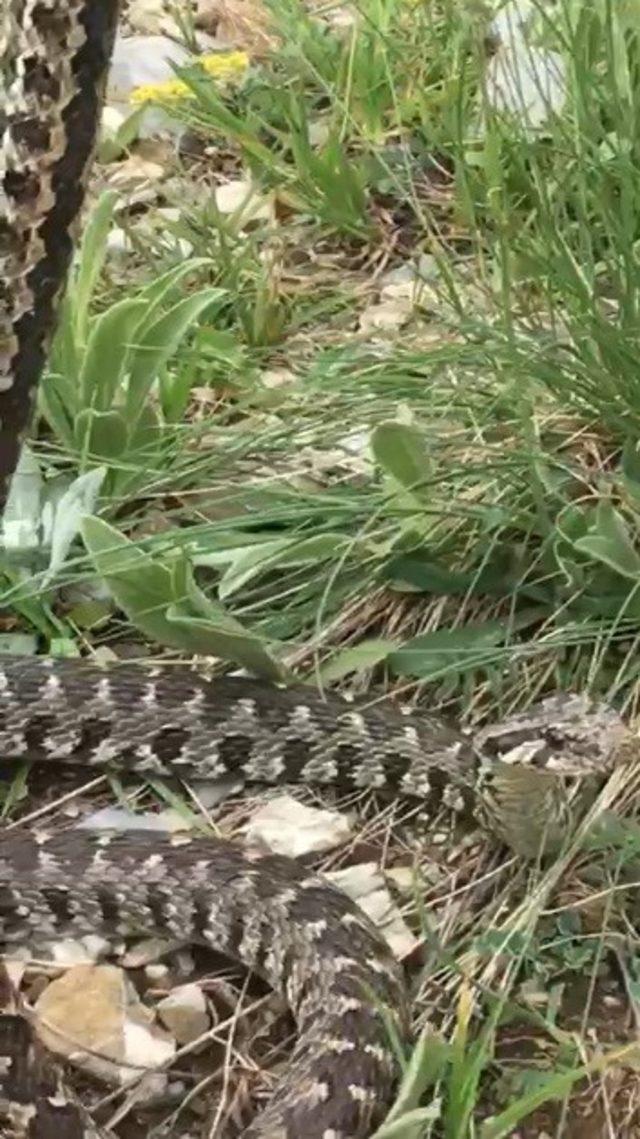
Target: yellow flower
[(221, 66), (173, 91), (224, 65)]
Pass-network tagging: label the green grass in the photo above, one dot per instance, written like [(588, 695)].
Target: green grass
[(452, 507), (511, 492)]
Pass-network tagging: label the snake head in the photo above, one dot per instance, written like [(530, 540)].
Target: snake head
[(541, 769)]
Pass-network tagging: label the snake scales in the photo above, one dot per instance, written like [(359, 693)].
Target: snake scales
[(303, 936)]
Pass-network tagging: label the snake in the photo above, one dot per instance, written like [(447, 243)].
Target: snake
[(348, 996)]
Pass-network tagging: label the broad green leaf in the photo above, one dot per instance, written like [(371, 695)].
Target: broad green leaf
[(146, 434), (609, 541), (93, 249), (160, 341), (20, 523), (18, 644), (413, 1124), (191, 598), (64, 358), (64, 648), (572, 524), (447, 650), (415, 572), (222, 346), (140, 585), (101, 435), (427, 1064), (158, 599), (250, 563), (109, 347), (498, 575), (14, 790), (245, 561), (90, 613), (112, 145), (144, 454), (203, 617), (226, 544), (175, 386), (58, 400), (158, 292), (367, 654), (401, 451), (78, 501), (631, 469), (210, 638), (556, 1086), (613, 831)]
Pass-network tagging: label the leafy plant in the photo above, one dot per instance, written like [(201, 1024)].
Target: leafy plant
[(110, 372), (161, 598), (322, 180)]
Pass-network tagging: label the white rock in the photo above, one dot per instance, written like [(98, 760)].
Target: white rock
[(83, 951), (356, 443), (277, 377), (427, 268), (92, 1016), (209, 793), (403, 878), (138, 178), (527, 82), (145, 951), (365, 885), (286, 826), (399, 281), (156, 972), (386, 316), (112, 119), (511, 20), (406, 286), (182, 962), (121, 820), (119, 241), (14, 968), (140, 61), (184, 1013), (341, 17), (242, 196)]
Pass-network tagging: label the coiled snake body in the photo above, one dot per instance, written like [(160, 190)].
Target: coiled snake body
[(292, 927)]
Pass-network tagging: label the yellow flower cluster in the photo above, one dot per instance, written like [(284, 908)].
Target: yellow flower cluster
[(221, 66), (225, 65)]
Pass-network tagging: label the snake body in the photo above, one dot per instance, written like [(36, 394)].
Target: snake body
[(276, 918), (303, 936), (54, 56)]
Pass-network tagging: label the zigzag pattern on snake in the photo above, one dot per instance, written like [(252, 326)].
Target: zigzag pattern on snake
[(305, 937)]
